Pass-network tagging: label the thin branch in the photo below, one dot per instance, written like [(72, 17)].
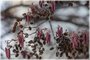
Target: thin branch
[(51, 28)]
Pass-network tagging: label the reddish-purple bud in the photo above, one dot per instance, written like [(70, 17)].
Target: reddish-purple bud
[(14, 28)]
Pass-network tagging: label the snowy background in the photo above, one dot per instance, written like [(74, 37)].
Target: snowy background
[(74, 18)]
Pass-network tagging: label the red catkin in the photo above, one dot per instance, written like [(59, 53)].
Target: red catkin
[(33, 9), (59, 31), (27, 17), (85, 38), (48, 37), (53, 6), (39, 33), (74, 40), (7, 51), (21, 38)]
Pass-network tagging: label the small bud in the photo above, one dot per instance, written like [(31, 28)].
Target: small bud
[(10, 46), (24, 14), (57, 53), (14, 50), (43, 49), (65, 33), (14, 28), (31, 22), (28, 56), (21, 26), (70, 4), (29, 28), (17, 51), (19, 19), (30, 41), (26, 35), (24, 53), (40, 57), (16, 55), (16, 46), (44, 42), (51, 48), (36, 56), (40, 43)]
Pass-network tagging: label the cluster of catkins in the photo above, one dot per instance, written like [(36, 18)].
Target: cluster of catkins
[(45, 10), (66, 42), (72, 44)]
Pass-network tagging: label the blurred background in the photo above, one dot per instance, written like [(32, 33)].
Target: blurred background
[(71, 15)]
